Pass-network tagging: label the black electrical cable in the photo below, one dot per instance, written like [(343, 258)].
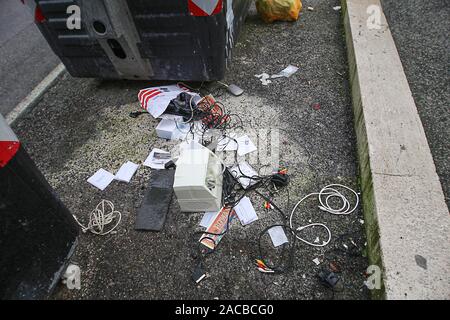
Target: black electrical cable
[(290, 263)]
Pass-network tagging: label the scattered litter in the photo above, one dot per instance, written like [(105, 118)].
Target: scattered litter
[(245, 145), (345, 246), (126, 171), (278, 236), (245, 211), (304, 276), (361, 221), (264, 78), (103, 215), (337, 8), (207, 218), (287, 72), (153, 211), (353, 243), (278, 10), (311, 8), (200, 178), (157, 159), (101, 179), (216, 230), (243, 170)]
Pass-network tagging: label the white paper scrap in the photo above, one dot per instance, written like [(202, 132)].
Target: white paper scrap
[(207, 219), (247, 170), (126, 171), (156, 161), (101, 179), (245, 211), (287, 72), (264, 78), (245, 145), (227, 143), (316, 261), (278, 236)]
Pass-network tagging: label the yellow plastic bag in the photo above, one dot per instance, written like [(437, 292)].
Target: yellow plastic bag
[(284, 10)]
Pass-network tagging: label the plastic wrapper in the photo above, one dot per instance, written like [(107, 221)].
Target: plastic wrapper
[(283, 10)]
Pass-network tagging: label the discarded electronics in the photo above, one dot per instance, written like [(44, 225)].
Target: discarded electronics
[(198, 180)]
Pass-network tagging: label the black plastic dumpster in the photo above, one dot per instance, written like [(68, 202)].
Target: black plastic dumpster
[(37, 233), (187, 40)]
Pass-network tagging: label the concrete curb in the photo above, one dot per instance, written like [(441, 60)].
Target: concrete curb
[(407, 220), (33, 98)]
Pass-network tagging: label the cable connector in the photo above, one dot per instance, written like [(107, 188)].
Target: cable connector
[(267, 205)]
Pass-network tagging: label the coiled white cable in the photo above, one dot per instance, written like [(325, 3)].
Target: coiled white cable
[(330, 192), (98, 219), (325, 194)]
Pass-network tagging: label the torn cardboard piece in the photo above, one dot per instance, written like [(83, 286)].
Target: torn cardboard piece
[(218, 226)]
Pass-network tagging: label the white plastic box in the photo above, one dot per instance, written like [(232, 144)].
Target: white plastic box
[(198, 181), (171, 129)]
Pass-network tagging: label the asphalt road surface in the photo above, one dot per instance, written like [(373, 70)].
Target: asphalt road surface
[(25, 56), (420, 30)]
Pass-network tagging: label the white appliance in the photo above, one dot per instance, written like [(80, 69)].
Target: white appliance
[(198, 180)]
